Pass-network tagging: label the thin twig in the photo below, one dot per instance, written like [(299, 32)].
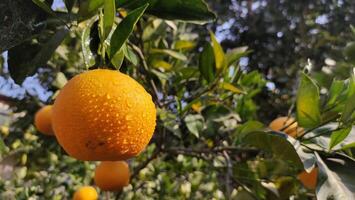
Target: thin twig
[(229, 174)]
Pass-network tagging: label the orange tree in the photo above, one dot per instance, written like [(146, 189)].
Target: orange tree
[(208, 142)]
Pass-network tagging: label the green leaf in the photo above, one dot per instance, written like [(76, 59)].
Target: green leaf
[(335, 91), (195, 11), (130, 55), (117, 59), (220, 58), (69, 4), (109, 16), (232, 88), (335, 178), (90, 42), (184, 45), (279, 146), (348, 146), (194, 124), (248, 127), (3, 147), (43, 4), (25, 59), (308, 103), (235, 54), (88, 8), (349, 52), (60, 80), (125, 28), (161, 64), (169, 52), (338, 136), (348, 115), (206, 63)]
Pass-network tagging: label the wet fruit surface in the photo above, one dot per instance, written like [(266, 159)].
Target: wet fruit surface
[(103, 115)]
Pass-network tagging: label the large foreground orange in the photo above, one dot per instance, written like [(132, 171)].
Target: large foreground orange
[(112, 176), (103, 115)]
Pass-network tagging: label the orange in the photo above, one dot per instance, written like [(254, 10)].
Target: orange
[(292, 127), (112, 176), (309, 180), (85, 193), (43, 120), (103, 115)]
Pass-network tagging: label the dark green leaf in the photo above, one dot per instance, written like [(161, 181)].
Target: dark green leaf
[(191, 10), (109, 16), (338, 136), (89, 7), (206, 64), (348, 115), (26, 58), (90, 42), (248, 127), (276, 144), (308, 105), (43, 4), (335, 91), (124, 29), (69, 4)]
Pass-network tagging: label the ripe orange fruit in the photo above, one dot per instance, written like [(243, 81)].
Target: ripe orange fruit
[(43, 120), (112, 176), (309, 180), (103, 115), (85, 193), (292, 127)]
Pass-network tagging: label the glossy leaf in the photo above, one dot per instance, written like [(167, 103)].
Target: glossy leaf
[(109, 16), (335, 180), (161, 64), (192, 10), (206, 63), (276, 144), (308, 103), (124, 29), (338, 136), (220, 58), (335, 91), (89, 42)]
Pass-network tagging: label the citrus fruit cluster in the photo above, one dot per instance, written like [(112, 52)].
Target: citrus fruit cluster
[(101, 115)]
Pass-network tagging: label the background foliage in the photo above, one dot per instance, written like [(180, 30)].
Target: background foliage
[(216, 83)]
